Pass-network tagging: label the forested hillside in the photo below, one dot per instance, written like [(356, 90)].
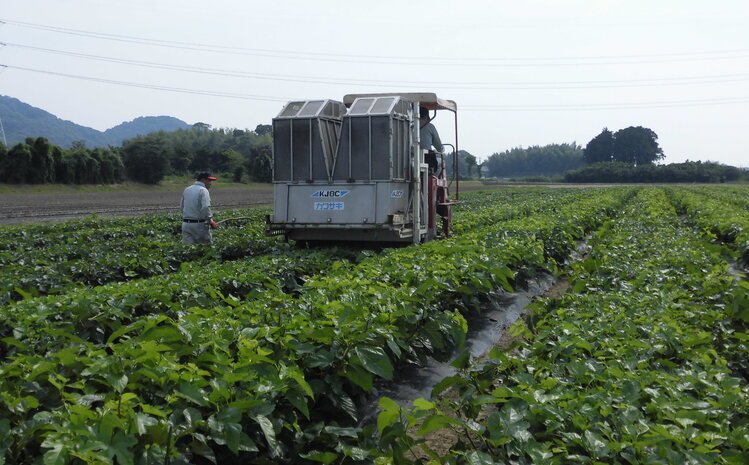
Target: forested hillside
[(21, 121)]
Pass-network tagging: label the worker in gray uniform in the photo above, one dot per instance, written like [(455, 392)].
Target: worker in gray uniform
[(428, 137), (197, 219)]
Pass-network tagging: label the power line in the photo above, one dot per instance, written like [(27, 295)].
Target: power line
[(610, 106), (403, 60), (153, 86), (570, 107), (657, 82)]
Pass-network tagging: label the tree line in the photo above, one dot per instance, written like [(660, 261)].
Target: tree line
[(37, 161), (689, 171), (547, 160), (234, 152), (148, 159), (629, 155)]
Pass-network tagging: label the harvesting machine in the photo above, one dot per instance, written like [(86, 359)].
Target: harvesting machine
[(353, 171)]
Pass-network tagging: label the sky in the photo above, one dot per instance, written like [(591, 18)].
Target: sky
[(522, 73)]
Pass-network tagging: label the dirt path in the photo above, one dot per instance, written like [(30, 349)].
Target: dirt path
[(35, 208)]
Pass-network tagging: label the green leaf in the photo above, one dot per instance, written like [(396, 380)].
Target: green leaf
[(55, 456), (339, 431), (299, 378), (298, 400), (193, 393), (201, 448), (229, 415), (463, 360), (390, 414), (122, 330), (322, 457), (232, 432), (435, 422), (479, 458), (446, 384), (375, 360), (270, 434), (119, 383), (121, 447), (423, 404), (143, 421), (596, 445), (359, 376)]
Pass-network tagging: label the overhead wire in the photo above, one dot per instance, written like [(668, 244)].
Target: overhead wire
[(658, 82), (610, 106), (152, 86), (690, 80), (404, 60), (576, 107)]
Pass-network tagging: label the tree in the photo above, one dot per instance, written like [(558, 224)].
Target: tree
[(146, 159), (77, 145), (637, 145), (82, 167), (260, 165), (465, 162), (3, 160), (470, 162), (262, 129), (42, 169), (600, 148), (17, 164)]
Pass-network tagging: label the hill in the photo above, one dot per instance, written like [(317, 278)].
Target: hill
[(21, 120)]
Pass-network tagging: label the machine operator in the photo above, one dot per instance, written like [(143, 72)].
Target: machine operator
[(429, 137)]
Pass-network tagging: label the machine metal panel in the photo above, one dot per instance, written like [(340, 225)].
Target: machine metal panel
[(280, 203), (393, 198), (362, 106), (360, 148), (281, 150), (305, 140), (291, 109), (383, 106), (332, 204), (312, 108), (381, 144), (301, 150)]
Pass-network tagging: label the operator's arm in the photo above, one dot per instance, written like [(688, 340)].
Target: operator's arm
[(205, 205), (436, 140)]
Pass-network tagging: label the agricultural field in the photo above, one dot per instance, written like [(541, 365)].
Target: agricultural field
[(119, 345)]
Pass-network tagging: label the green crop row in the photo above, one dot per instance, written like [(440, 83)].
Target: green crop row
[(274, 375), (643, 360), (736, 195), (472, 213), (55, 258), (93, 314), (45, 262), (717, 217)]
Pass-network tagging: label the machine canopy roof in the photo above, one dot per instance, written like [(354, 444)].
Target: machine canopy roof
[(427, 100)]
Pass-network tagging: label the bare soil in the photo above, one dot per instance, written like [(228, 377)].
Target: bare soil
[(42, 207), (35, 208)]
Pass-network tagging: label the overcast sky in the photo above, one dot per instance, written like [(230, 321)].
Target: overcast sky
[(523, 73)]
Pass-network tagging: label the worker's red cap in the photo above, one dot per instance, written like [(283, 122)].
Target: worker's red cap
[(205, 175)]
